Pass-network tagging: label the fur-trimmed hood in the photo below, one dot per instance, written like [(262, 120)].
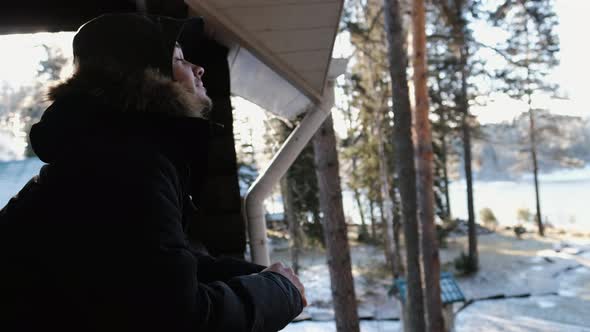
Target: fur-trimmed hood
[(142, 92), (102, 104)]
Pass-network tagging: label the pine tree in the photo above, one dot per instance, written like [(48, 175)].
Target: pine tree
[(398, 64), (335, 229), (370, 81), (424, 173), (455, 14), (530, 52)]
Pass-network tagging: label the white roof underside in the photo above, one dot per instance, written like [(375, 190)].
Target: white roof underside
[(280, 50)]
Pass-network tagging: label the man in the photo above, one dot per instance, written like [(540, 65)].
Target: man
[(96, 242)]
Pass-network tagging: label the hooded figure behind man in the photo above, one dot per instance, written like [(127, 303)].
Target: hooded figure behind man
[(96, 241)]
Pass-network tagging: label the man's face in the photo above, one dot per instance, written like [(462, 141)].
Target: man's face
[(189, 75)]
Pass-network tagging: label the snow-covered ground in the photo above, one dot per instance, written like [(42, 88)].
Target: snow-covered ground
[(366, 326), (539, 314), (544, 282)]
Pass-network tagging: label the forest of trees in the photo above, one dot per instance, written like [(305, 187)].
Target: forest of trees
[(418, 66), (21, 107)]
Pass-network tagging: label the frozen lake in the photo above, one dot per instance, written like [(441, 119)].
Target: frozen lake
[(14, 175), (564, 198), (564, 195)]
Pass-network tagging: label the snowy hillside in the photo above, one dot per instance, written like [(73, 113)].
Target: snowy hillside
[(502, 151)]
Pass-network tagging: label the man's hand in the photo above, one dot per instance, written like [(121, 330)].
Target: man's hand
[(288, 273)]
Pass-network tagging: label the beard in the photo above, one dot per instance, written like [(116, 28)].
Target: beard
[(201, 103), (205, 103)]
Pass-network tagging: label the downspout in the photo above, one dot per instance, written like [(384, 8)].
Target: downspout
[(261, 188)]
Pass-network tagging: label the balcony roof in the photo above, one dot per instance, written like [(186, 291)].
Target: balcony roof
[(280, 50)]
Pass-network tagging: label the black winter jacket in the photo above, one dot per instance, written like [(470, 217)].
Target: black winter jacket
[(96, 241)]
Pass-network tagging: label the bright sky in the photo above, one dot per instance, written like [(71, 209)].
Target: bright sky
[(572, 73), (21, 54)]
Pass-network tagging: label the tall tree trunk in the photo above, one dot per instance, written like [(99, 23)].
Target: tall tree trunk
[(335, 231), (540, 225), (424, 163), (398, 60), (387, 203), (359, 204), (445, 167), (373, 221), (466, 127), (397, 228), (455, 16), (471, 228), (292, 222), (529, 93)]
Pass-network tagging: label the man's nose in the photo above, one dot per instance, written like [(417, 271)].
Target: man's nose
[(198, 70)]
